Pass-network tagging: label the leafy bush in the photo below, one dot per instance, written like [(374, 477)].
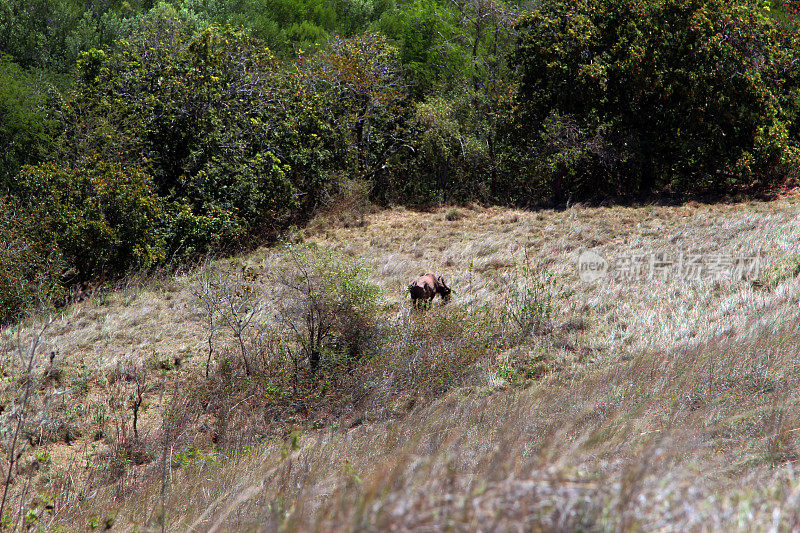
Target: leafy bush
[(451, 159), (236, 147), (689, 95), (26, 125), (361, 92), (308, 353), (445, 46), (326, 306), (100, 215), (30, 266)]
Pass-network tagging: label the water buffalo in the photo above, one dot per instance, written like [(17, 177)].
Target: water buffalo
[(426, 287)]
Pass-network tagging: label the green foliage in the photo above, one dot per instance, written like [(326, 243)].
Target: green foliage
[(44, 458), (328, 307), (416, 27), (451, 159), (48, 35), (673, 94), (769, 277), (209, 116), (26, 124), (360, 89), (453, 59), (30, 265), (102, 216), (288, 24), (34, 33), (446, 45), (292, 27), (167, 20), (193, 456)]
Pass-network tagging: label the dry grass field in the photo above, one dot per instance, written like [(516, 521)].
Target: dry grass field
[(639, 405)]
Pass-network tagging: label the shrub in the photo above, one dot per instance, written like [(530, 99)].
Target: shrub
[(26, 129), (530, 303), (102, 216), (431, 353), (30, 265), (231, 297), (690, 93), (238, 148), (451, 159), (327, 306), (453, 214)]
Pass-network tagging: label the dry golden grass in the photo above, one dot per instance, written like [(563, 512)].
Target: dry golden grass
[(658, 405)]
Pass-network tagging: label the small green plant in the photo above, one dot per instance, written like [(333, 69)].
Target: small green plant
[(44, 458), (48, 501), (328, 308), (294, 440), (771, 276), (100, 415), (193, 455), (351, 473), (90, 454), (74, 412), (272, 391), (31, 517), (81, 386), (292, 445), (529, 304), (506, 372), (453, 214)]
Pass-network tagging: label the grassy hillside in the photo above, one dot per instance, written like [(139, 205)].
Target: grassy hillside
[(635, 405)]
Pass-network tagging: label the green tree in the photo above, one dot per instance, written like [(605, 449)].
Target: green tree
[(234, 141), (30, 264), (103, 217), (677, 94), (26, 121), (364, 94), (287, 26), (451, 157), (48, 35), (446, 44)]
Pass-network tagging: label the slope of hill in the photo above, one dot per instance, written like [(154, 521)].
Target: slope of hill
[(644, 403)]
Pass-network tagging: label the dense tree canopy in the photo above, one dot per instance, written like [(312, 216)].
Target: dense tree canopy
[(27, 118), (669, 93)]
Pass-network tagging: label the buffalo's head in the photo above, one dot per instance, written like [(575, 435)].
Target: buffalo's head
[(444, 290)]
